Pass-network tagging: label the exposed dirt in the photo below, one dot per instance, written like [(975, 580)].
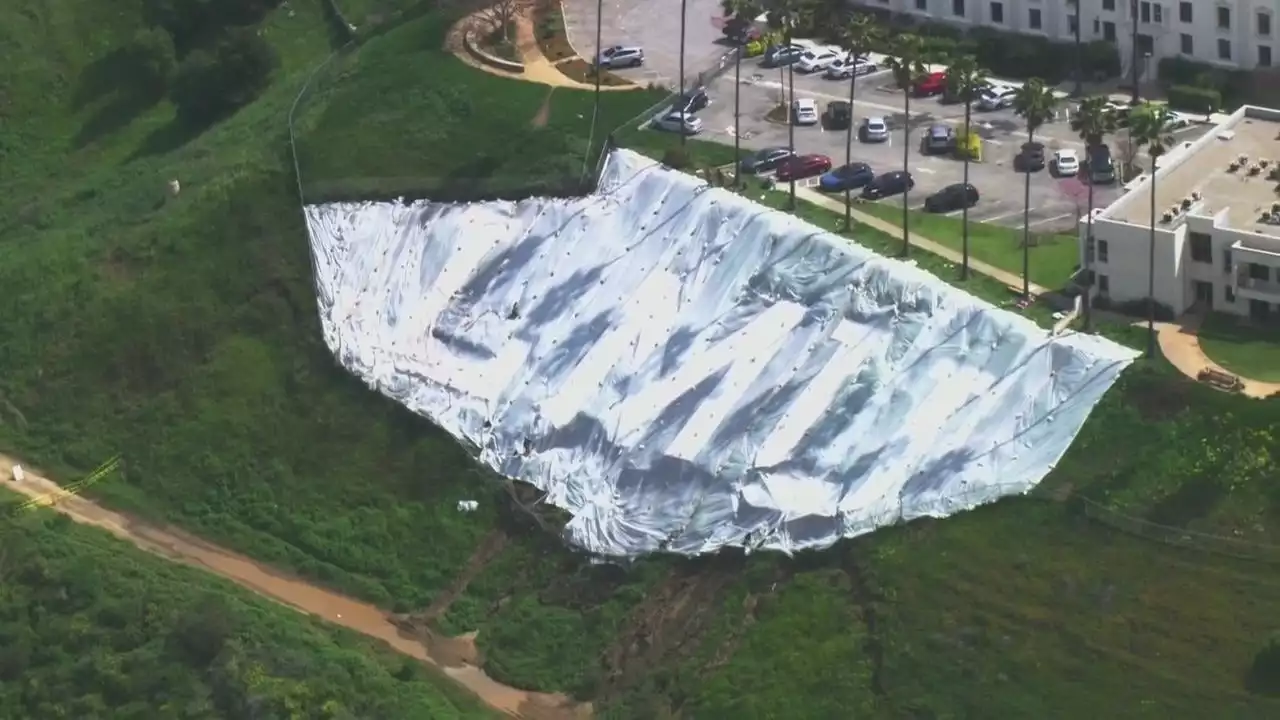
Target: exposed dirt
[(544, 111), (1180, 344), (456, 661), (487, 550)]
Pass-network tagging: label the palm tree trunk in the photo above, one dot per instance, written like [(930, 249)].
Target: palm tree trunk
[(964, 212), (1090, 249), (737, 134), (1151, 271), (848, 148), (595, 111), (684, 137), (1026, 223), (791, 122), (906, 160)]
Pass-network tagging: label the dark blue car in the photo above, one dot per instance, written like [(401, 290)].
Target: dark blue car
[(846, 177)]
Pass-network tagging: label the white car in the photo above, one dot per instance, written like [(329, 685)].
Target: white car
[(680, 122), (817, 59), (1066, 163), (805, 111), (997, 98), (845, 68), (873, 130)]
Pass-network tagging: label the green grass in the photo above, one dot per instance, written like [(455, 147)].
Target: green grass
[(94, 628), (1244, 349), (183, 334), (1053, 256)]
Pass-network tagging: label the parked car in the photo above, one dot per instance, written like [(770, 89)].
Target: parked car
[(847, 67), (762, 161), (1100, 166), (1066, 163), (846, 177), (939, 139), (934, 83), (839, 115), (805, 111), (952, 197), (1030, 158), (741, 30), (680, 122), (621, 56), (802, 166), (817, 59), (886, 184), (873, 130), (996, 98), (692, 101), (782, 55)]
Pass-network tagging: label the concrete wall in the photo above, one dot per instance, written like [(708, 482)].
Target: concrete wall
[(469, 42)]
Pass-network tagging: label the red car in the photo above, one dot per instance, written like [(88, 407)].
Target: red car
[(932, 84), (802, 166)]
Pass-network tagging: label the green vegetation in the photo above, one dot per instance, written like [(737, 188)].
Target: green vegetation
[(1249, 350), (181, 332), (94, 628), (1053, 257)]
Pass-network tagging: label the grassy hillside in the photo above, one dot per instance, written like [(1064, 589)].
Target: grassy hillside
[(183, 334), (94, 628)]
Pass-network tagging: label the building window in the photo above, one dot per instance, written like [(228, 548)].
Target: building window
[(1224, 17), (1109, 5), (1103, 251), (957, 8), (1224, 49), (997, 13), (1145, 12), (1073, 24), (922, 5), (1264, 24), (1201, 247), (1104, 285), (1158, 13), (1033, 18), (1259, 272), (1184, 12), (1264, 55), (1231, 295), (1226, 261), (1109, 31), (1187, 45)]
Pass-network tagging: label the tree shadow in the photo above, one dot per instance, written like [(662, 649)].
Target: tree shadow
[(167, 138), (1194, 500), (110, 80)]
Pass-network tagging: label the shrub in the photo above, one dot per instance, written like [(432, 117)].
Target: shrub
[(191, 21), (676, 157), (213, 83), (1198, 99), (152, 55), (1264, 674)]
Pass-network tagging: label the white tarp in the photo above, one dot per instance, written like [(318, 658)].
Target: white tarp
[(683, 369)]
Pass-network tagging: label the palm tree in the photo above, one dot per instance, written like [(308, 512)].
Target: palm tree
[(907, 62), (965, 79), (743, 10), (1034, 103), (684, 16), (786, 14), (857, 37), (1092, 122), (1151, 127)]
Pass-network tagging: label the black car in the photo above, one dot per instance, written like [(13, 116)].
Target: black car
[(692, 101), (886, 184), (839, 115), (782, 55), (952, 197), (1030, 159), (765, 160)]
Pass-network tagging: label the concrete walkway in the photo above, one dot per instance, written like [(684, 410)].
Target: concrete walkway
[(1179, 343), (1012, 280)]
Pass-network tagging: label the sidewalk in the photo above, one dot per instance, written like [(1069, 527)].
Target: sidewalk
[(830, 203)]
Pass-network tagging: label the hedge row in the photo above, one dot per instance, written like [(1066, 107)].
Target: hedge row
[(1194, 99)]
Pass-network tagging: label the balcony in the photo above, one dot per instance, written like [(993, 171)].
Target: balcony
[(1260, 250), (1251, 288)]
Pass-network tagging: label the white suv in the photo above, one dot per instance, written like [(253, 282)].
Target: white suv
[(805, 111), (620, 56), (817, 59)]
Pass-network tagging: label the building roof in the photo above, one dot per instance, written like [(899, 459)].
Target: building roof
[(1203, 166)]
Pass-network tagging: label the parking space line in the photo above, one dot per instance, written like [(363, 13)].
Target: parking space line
[(994, 218), (1063, 216)]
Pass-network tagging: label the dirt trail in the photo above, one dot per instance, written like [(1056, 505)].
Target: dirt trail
[(1181, 345), (179, 546)]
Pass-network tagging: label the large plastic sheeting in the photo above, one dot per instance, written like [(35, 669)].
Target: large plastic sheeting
[(682, 369)]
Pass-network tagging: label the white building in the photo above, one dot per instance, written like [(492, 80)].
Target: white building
[(1233, 33), (1217, 224)]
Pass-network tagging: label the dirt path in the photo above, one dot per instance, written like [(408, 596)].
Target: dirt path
[(1179, 343), (179, 546)]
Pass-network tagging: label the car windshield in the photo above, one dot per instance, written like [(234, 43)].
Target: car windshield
[(875, 124), (939, 131)]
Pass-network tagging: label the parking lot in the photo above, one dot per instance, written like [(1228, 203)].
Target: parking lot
[(1056, 203), (656, 30)]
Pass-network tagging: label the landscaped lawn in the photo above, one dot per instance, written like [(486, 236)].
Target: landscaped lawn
[(1053, 257), (1245, 349)]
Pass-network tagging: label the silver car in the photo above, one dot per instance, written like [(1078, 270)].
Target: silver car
[(873, 129), (679, 122), (620, 56)]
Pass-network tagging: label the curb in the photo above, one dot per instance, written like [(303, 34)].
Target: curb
[(506, 65)]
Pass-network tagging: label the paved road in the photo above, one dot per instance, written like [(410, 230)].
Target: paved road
[(1055, 202), (654, 26)]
